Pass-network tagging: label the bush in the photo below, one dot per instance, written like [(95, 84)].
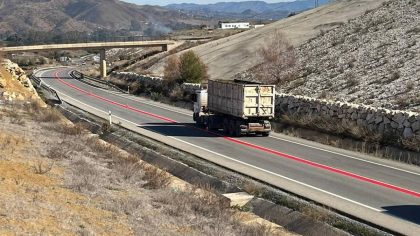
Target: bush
[(171, 70), (40, 168), (191, 69), (48, 115), (278, 60), (156, 178)]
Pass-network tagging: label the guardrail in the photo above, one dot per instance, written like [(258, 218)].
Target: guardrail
[(38, 84), (90, 80)]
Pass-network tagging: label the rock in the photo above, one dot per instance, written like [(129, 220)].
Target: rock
[(407, 124), (408, 133), (369, 117), (399, 118), (378, 119), (416, 126), (394, 124)]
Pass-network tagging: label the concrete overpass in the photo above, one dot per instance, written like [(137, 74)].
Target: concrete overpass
[(102, 46)]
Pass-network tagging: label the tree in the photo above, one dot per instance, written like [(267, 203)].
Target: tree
[(191, 68), (171, 70), (278, 60)]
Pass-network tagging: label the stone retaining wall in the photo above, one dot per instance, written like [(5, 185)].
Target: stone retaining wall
[(150, 81), (368, 123), (361, 121)]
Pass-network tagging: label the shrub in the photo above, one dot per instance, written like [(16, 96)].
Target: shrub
[(85, 176), (278, 60), (191, 68), (171, 70), (40, 168), (57, 152), (155, 96), (48, 115), (156, 178), (75, 129)]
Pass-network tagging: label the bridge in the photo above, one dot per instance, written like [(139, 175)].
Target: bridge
[(102, 46)]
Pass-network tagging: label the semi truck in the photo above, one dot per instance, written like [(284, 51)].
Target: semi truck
[(237, 107)]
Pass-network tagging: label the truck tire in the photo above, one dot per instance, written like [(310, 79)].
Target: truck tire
[(211, 125), (226, 126), (232, 127), (237, 129)]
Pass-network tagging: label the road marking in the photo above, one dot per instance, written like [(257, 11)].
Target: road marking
[(285, 140), (267, 150), (240, 162), (341, 154), (278, 175)]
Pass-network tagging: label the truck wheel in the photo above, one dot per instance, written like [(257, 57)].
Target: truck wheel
[(211, 123), (266, 134), (226, 126), (237, 129), (232, 128)]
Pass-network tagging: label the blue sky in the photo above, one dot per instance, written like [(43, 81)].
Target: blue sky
[(166, 2)]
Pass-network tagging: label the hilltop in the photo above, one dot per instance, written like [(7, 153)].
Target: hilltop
[(21, 16), (246, 9)]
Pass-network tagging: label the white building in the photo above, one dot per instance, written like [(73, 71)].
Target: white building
[(236, 25)]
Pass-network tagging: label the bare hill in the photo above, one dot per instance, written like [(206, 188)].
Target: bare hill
[(237, 53), (87, 15), (373, 59)]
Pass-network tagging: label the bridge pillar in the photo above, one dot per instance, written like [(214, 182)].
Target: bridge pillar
[(165, 47), (102, 63)]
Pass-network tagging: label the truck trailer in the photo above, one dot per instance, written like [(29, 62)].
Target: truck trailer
[(238, 107)]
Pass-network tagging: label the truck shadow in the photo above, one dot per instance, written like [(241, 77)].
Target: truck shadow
[(179, 130), (406, 212), (182, 130)]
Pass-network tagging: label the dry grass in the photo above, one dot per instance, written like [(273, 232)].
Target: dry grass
[(41, 168), (156, 178), (59, 181), (49, 115)]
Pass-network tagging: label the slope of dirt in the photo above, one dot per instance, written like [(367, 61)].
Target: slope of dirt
[(229, 56)]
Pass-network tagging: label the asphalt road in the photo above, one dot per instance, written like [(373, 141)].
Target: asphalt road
[(379, 191)]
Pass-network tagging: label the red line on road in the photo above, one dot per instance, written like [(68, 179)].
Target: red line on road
[(112, 102), (267, 150)]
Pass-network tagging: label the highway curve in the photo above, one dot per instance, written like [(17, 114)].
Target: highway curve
[(383, 192)]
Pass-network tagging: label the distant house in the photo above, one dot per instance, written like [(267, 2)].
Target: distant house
[(258, 26), (235, 25)]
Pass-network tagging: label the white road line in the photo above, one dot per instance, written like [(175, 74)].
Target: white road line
[(240, 162), (341, 154), (285, 140), (128, 96), (277, 175)]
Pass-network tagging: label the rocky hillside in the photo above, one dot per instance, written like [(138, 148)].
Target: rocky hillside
[(231, 55), (373, 59), (86, 16), (14, 84)]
